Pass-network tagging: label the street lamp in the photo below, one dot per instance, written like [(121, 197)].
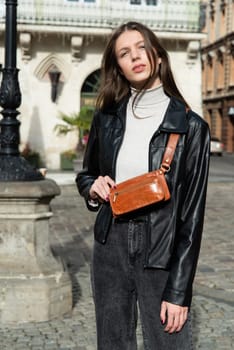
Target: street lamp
[(54, 75), (13, 167)]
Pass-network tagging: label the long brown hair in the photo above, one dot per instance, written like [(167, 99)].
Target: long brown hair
[(114, 86)]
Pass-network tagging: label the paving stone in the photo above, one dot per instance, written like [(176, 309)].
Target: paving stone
[(72, 238)]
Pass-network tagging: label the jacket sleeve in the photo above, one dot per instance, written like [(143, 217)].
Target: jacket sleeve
[(190, 223), (90, 171)]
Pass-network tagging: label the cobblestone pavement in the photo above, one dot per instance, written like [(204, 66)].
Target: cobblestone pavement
[(71, 241)]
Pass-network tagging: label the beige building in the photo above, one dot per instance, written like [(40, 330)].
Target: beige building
[(218, 70), (69, 36)]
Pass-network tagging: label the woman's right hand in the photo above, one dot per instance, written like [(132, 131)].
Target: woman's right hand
[(100, 189)]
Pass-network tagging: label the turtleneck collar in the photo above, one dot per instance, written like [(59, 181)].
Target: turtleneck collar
[(149, 96), (148, 103)]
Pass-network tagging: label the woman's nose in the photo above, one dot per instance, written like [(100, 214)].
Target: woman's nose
[(135, 54)]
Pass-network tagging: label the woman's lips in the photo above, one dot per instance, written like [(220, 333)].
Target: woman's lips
[(139, 68)]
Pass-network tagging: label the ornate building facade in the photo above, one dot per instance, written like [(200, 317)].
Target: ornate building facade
[(65, 39), (218, 71)]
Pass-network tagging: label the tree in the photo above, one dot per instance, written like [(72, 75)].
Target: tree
[(77, 121)]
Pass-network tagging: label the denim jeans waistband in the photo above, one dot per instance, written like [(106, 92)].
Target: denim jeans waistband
[(128, 217)]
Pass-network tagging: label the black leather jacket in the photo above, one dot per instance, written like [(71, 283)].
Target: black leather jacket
[(174, 227)]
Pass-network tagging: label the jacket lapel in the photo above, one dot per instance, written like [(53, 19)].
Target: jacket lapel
[(175, 119)]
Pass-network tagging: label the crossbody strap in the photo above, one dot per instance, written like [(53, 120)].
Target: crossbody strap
[(169, 152)]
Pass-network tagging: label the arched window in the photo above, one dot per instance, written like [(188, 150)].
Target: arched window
[(90, 88)]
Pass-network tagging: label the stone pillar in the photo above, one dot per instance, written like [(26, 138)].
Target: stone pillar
[(33, 284)]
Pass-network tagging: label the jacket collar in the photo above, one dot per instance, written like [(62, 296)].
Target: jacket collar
[(175, 119)]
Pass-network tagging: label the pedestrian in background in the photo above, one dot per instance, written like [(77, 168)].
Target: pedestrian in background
[(149, 257)]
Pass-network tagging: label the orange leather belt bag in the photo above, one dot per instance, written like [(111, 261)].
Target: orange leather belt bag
[(143, 190)]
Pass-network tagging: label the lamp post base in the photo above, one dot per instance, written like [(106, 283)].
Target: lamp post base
[(34, 286), (16, 168)]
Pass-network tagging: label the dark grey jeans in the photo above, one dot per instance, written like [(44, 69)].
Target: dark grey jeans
[(120, 282)]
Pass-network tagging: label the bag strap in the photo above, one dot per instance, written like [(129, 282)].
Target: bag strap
[(169, 152), (170, 149)]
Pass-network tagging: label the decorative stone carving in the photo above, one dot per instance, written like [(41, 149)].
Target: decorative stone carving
[(222, 5), (212, 9), (210, 56), (76, 44), (231, 48), (41, 71), (25, 45), (220, 52), (193, 49)]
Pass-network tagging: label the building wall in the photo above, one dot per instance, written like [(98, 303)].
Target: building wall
[(76, 51), (218, 71), (39, 114)]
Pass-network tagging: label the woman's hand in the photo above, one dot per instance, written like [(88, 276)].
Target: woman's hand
[(175, 315), (101, 188)]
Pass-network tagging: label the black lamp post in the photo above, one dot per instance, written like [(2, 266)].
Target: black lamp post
[(13, 167)]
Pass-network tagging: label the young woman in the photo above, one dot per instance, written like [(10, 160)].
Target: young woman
[(147, 258)]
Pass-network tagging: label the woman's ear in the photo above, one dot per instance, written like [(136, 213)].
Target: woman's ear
[(159, 60)]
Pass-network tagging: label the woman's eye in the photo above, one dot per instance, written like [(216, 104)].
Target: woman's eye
[(124, 53)]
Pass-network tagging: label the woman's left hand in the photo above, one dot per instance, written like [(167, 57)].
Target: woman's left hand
[(175, 315)]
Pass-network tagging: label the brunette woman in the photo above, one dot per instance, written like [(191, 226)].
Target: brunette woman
[(145, 260)]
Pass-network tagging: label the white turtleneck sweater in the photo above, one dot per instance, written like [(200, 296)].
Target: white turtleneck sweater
[(141, 123)]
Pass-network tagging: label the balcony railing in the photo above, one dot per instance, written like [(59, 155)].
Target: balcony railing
[(170, 15)]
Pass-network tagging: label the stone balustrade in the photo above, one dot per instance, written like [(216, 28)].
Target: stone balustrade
[(171, 15)]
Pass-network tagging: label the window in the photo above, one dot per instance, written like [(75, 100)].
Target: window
[(135, 2), (231, 79), (220, 68), (81, 1), (212, 9), (210, 72), (90, 88), (144, 2), (92, 82), (151, 2)]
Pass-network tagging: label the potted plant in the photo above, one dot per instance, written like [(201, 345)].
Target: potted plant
[(31, 156), (66, 159), (79, 122)]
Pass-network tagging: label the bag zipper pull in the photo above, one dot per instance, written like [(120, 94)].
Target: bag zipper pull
[(115, 196)]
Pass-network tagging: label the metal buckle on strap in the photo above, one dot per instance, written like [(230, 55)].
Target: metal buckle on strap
[(165, 167)]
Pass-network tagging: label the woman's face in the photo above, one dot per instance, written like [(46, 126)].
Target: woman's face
[(132, 59)]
